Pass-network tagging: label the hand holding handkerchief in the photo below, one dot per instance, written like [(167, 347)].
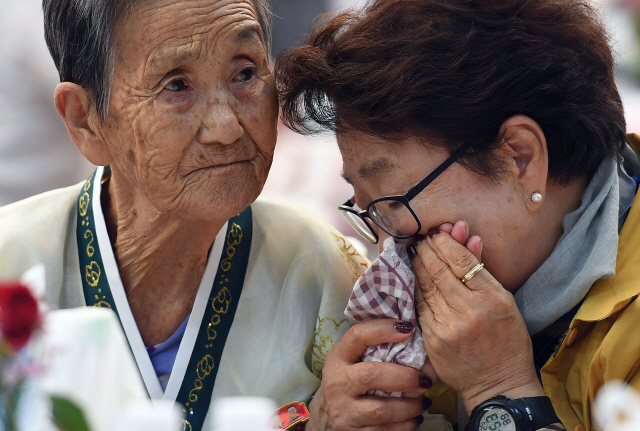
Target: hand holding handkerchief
[(386, 289)]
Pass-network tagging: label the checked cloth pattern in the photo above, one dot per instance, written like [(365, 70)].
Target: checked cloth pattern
[(386, 289)]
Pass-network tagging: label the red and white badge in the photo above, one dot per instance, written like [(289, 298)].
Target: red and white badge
[(291, 417)]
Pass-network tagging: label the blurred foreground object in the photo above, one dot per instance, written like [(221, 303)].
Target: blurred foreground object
[(36, 153), (19, 318), (82, 358), (88, 361), (243, 413), (617, 408), (18, 314), (144, 416)]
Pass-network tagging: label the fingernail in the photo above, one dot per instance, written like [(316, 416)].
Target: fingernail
[(426, 403), (419, 420), (411, 251), (425, 382), (404, 327), (433, 232)]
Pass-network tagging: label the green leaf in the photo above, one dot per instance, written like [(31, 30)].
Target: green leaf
[(67, 415)]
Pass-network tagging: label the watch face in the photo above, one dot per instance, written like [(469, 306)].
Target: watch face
[(496, 418)]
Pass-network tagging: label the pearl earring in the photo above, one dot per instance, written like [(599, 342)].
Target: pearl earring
[(536, 197)]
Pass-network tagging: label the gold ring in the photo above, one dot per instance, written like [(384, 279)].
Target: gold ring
[(469, 275)]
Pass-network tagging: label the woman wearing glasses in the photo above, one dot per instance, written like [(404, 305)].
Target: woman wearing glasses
[(489, 136)]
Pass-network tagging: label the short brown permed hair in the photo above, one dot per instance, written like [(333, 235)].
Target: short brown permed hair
[(454, 70)]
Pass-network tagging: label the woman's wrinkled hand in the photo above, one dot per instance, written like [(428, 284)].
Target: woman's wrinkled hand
[(474, 333), (342, 404)]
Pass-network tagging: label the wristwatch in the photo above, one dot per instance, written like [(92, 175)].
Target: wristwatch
[(504, 414)]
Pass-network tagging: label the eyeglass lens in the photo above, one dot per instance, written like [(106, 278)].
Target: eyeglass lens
[(360, 226), (394, 217)]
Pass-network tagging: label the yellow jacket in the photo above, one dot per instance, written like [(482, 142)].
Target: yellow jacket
[(602, 343)]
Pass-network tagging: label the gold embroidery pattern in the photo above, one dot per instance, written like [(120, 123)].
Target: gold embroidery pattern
[(205, 366), (186, 426), (83, 204), (212, 333), (90, 249), (92, 271), (357, 263), (328, 328), (101, 303), (323, 340), (234, 237), (219, 304)]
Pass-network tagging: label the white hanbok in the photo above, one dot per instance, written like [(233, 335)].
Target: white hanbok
[(290, 313)]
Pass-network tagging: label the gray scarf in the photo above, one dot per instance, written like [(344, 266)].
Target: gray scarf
[(585, 252)]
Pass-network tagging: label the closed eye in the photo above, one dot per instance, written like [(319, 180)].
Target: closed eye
[(395, 205)]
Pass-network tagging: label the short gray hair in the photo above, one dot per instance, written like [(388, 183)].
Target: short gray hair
[(79, 34)]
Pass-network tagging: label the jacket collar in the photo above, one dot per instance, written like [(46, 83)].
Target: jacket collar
[(608, 296)]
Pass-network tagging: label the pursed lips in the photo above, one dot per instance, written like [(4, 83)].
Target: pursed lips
[(220, 166)]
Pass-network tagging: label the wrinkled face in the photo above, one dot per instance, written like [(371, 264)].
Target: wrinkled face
[(376, 167), (193, 110)]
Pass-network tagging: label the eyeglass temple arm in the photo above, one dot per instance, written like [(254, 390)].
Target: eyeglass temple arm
[(413, 192)]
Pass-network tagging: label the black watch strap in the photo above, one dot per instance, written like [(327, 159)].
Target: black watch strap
[(538, 411)]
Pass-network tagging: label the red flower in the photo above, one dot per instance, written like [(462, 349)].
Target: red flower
[(18, 313)]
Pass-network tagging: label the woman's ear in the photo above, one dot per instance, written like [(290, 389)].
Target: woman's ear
[(525, 148), (74, 106)]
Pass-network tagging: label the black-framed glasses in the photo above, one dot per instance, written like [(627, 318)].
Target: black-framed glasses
[(393, 214)]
